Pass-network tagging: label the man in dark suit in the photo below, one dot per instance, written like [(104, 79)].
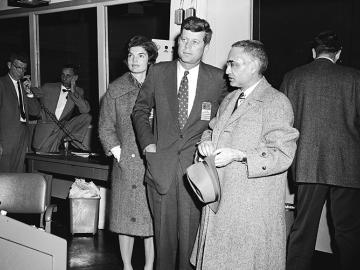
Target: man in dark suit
[(63, 102), (15, 106), (186, 94), (326, 101)]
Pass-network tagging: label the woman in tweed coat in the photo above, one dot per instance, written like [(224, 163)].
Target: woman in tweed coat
[(129, 211)]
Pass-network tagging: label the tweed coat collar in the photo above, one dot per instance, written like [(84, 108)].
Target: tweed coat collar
[(256, 96)]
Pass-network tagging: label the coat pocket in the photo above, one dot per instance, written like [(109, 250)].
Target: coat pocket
[(161, 169)]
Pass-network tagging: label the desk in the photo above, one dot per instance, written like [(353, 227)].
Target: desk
[(94, 168)]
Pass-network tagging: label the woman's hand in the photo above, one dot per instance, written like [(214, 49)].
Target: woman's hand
[(116, 152)]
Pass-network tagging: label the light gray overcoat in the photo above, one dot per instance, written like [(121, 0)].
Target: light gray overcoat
[(129, 211), (248, 231)]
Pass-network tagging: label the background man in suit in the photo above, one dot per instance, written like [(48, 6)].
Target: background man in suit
[(326, 101), (63, 102), (15, 106), (185, 94), (254, 144)]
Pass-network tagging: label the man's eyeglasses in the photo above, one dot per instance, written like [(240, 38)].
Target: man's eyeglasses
[(19, 67)]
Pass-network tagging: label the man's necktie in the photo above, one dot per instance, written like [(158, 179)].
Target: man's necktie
[(239, 100), (183, 96), (21, 105)]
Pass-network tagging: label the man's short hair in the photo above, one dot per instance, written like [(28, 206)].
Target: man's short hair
[(195, 24), (19, 56), (326, 42), (255, 49), (148, 45), (74, 67)]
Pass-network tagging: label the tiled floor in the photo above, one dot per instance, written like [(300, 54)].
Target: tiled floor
[(101, 252)]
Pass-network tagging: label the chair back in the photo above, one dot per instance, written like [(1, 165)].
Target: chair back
[(23, 193)]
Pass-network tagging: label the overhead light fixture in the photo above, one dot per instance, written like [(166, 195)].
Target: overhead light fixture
[(28, 3)]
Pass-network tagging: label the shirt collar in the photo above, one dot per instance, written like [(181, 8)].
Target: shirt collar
[(14, 82), (251, 88), (181, 69), (325, 57)]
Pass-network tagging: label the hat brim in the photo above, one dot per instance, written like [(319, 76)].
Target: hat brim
[(204, 181)]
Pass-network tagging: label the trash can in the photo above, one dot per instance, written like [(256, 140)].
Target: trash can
[(84, 215), (84, 207)]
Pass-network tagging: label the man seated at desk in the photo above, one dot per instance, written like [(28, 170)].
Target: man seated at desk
[(64, 114)]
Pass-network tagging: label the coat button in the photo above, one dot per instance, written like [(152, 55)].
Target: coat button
[(133, 186), (264, 168), (263, 154), (181, 136), (133, 219), (133, 155)]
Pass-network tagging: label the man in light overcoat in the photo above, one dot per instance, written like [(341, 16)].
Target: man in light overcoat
[(254, 143)]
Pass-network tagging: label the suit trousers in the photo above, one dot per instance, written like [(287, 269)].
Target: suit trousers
[(77, 126), (344, 208), (14, 150), (176, 220)]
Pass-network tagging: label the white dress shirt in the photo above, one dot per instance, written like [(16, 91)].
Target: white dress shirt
[(192, 78), (61, 102)]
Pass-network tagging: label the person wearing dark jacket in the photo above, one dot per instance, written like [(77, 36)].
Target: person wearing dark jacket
[(326, 100), (16, 104)]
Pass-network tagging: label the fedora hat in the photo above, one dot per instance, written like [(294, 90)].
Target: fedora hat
[(204, 181)]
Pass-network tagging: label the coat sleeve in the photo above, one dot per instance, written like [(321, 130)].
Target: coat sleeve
[(107, 124), (277, 150), (78, 98), (142, 109)]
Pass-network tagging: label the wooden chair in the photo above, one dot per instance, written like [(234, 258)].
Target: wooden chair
[(27, 193)]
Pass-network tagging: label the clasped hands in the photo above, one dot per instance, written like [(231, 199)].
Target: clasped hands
[(223, 156)]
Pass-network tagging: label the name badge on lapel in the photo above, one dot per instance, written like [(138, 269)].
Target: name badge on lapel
[(206, 111)]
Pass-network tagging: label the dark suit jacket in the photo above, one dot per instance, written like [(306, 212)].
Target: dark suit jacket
[(10, 114), (326, 102), (50, 94), (174, 147)]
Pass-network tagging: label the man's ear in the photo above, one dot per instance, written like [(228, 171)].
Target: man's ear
[(337, 55), (9, 64), (206, 48), (313, 53)]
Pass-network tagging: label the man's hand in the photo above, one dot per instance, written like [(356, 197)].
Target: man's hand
[(151, 148), (224, 156), (206, 148), (73, 83), (37, 91), (1, 150)]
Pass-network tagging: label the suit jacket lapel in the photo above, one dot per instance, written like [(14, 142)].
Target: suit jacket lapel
[(171, 90), (54, 97), (199, 95), (11, 86), (69, 105)]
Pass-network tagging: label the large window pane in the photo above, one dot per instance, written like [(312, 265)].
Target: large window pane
[(14, 37), (71, 38), (150, 19)]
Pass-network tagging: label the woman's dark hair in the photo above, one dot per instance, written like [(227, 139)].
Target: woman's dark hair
[(148, 45)]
